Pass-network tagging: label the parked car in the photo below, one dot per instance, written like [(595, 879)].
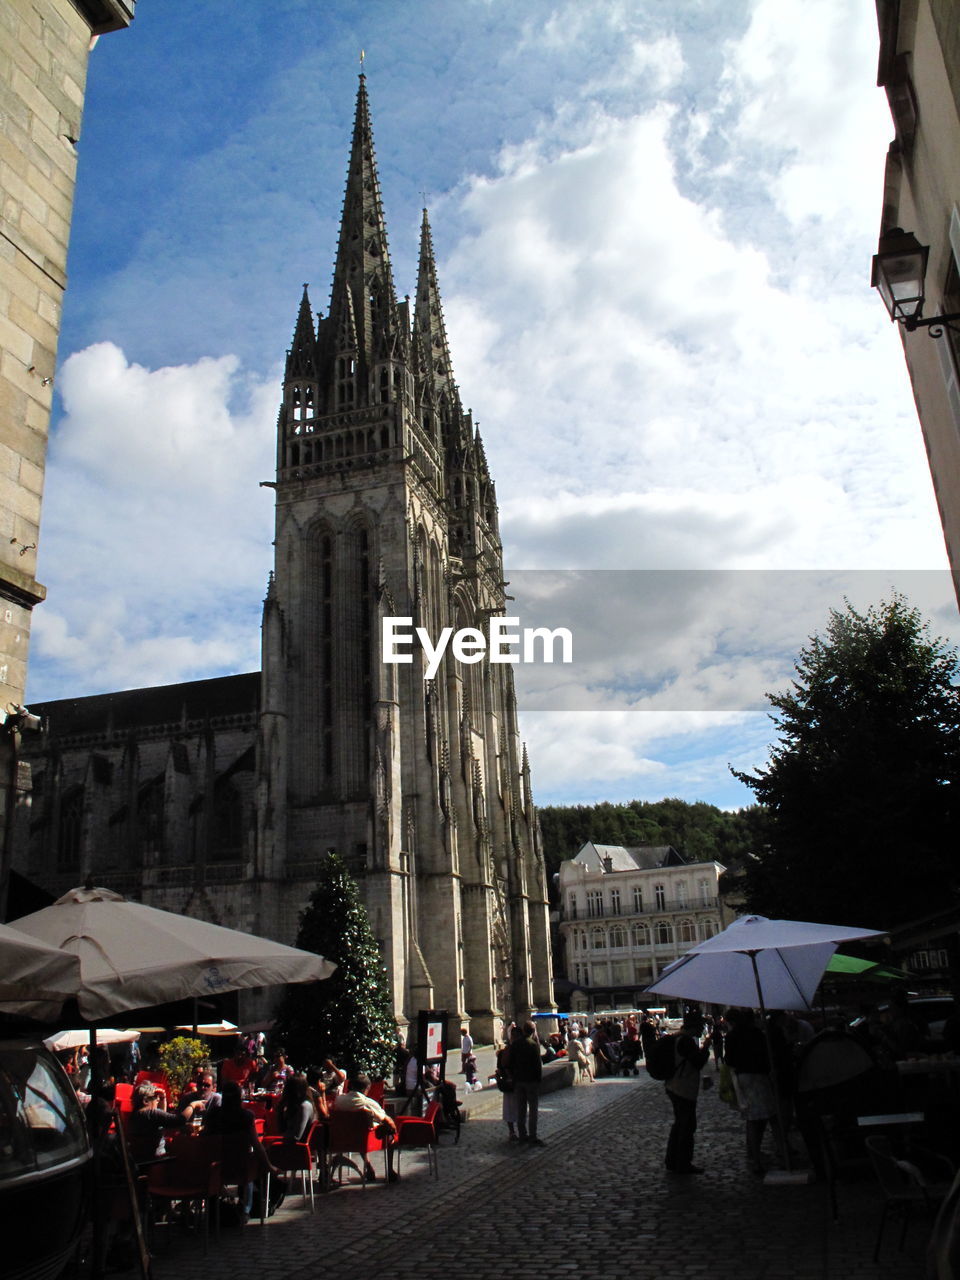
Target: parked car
[(44, 1163)]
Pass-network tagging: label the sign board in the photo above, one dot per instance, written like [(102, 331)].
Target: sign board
[(431, 1040)]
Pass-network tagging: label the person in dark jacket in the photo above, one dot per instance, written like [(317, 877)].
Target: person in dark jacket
[(526, 1069), (682, 1090)]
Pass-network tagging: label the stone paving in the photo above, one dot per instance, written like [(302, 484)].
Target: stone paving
[(595, 1197)]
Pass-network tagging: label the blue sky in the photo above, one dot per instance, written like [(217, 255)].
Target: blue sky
[(653, 226)]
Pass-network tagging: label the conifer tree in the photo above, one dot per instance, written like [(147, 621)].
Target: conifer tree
[(862, 788), (348, 1016)]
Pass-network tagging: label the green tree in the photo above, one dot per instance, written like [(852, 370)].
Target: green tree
[(861, 788), (348, 1016)]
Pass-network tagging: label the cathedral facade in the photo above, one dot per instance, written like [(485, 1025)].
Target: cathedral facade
[(219, 798)]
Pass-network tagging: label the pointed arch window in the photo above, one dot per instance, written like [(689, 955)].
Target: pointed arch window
[(326, 655), (69, 835), (664, 932)]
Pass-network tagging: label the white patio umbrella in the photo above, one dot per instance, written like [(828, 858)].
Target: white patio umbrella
[(762, 964), (130, 956), (76, 1039), (757, 963), (35, 971), (221, 1028)]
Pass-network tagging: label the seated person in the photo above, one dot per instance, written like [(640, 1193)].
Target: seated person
[(297, 1112), (148, 1122), (232, 1118), (332, 1077), (355, 1099)]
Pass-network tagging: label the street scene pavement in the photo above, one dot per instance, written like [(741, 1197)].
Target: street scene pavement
[(596, 1198)]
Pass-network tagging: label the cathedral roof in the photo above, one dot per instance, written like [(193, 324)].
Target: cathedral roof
[(170, 705)]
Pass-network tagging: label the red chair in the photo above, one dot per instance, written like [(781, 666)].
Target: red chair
[(352, 1133), (123, 1097), (294, 1157), (192, 1177), (377, 1091), (420, 1133)]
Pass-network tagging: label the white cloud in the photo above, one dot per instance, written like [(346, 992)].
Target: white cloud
[(159, 535)]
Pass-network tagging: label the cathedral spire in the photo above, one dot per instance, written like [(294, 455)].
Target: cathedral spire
[(302, 355), (362, 274), (428, 328)]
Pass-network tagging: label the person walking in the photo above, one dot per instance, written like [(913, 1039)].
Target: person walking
[(682, 1088), (526, 1069), (466, 1048)]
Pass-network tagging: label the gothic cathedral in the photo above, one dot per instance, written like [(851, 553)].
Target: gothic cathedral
[(218, 798)]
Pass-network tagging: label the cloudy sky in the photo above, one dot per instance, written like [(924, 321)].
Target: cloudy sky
[(653, 225)]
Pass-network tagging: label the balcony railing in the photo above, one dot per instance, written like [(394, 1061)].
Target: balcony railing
[(670, 907)]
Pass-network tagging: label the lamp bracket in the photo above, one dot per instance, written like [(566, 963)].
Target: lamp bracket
[(936, 324)]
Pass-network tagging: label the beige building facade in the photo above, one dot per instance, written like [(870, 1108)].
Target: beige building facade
[(626, 913), (919, 69), (44, 49)]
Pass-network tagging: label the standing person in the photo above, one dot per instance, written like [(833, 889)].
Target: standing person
[(715, 1040), (505, 1084), (466, 1048), (682, 1090), (526, 1069), (648, 1034), (747, 1056)]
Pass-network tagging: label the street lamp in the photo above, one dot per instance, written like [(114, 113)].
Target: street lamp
[(899, 271)]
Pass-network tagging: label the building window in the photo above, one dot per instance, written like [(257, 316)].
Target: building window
[(640, 935), (705, 895), (682, 895), (618, 936), (687, 931), (600, 973), (572, 906), (599, 940), (71, 828), (619, 972), (707, 929), (637, 899), (660, 897), (583, 940), (594, 904), (614, 902), (664, 932)]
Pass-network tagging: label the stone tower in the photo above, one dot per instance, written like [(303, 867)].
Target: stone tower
[(385, 508)]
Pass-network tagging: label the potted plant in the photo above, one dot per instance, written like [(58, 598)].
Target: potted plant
[(181, 1057)]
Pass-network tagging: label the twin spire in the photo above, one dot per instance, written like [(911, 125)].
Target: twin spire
[(369, 349)]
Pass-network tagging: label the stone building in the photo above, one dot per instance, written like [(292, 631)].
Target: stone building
[(919, 70), (45, 46), (219, 797), (626, 913)]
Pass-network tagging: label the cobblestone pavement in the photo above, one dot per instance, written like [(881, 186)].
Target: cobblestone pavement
[(598, 1188)]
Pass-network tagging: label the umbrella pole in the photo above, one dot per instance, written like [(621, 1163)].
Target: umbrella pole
[(773, 1065)]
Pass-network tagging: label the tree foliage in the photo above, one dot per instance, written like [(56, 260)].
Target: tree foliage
[(180, 1058), (348, 1016), (700, 831), (861, 788)]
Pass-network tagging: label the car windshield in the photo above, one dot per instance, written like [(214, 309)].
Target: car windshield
[(41, 1123)]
